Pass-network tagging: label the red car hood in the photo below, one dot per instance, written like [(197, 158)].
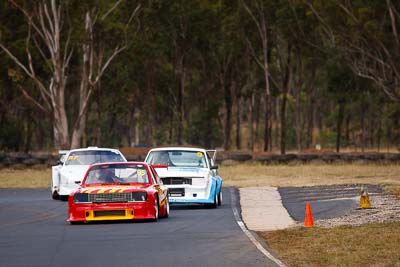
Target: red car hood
[(111, 189)]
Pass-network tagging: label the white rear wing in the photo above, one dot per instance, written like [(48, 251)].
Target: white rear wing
[(62, 152), (214, 154)]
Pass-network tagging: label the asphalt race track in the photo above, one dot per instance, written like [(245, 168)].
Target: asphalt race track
[(327, 201), (34, 232)]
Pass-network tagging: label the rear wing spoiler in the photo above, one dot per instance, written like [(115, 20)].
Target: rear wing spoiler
[(62, 152), (153, 168), (213, 155), (157, 166)]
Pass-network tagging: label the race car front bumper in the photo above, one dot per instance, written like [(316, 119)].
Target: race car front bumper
[(67, 188), (109, 211), (186, 194)]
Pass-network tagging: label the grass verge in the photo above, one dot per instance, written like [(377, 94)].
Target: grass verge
[(25, 178), (366, 245), (253, 174), (244, 175)]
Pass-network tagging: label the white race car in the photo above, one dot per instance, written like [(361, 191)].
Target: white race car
[(72, 166), (191, 175)]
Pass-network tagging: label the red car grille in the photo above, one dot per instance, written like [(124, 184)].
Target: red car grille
[(117, 197)]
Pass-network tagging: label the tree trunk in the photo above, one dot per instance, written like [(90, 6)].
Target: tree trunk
[(171, 129), (262, 27), (268, 98), (60, 124), (363, 130), (228, 115), (339, 126), (277, 119), (60, 128), (80, 125), (250, 119), (28, 135), (181, 95), (347, 131), (150, 106), (286, 85), (40, 131), (85, 88), (238, 122), (379, 137), (259, 103), (388, 136), (299, 126), (310, 125), (132, 126), (311, 110), (299, 122), (283, 124), (93, 68), (98, 118), (267, 126)]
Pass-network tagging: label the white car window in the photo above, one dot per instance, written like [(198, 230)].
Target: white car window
[(92, 157), (178, 158)]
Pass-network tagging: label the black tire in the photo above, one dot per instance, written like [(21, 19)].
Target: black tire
[(166, 215), (64, 197), (215, 203), (157, 210), (76, 222), (55, 195), (220, 197)]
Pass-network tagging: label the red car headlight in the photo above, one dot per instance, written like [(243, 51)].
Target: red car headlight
[(81, 198), (139, 196)]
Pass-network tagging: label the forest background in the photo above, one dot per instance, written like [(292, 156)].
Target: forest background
[(241, 75)]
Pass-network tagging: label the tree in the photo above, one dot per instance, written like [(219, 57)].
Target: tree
[(46, 27), (46, 22), (261, 20), (94, 64), (361, 32), (342, 87)]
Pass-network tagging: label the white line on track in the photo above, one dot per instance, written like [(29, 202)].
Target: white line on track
[(249, 234)]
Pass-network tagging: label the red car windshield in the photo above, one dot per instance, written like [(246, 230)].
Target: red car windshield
[(117, 174)]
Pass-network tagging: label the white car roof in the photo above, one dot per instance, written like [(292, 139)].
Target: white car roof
[(178, 148), (92, 148)]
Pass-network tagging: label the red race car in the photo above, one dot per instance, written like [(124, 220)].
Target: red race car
[(119, 191)]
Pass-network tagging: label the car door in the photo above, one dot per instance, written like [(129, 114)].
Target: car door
[(159, 186)]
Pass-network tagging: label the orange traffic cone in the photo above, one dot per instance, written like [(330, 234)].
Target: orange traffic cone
[(308, 219)]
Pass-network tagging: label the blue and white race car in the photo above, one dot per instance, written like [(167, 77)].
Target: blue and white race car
[(191, 176)]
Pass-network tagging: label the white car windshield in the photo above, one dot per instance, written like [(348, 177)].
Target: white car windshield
[(178, 158), (93, 156), (117, 173)]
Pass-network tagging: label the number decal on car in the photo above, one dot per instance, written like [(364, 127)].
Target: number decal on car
[(141, 172)]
